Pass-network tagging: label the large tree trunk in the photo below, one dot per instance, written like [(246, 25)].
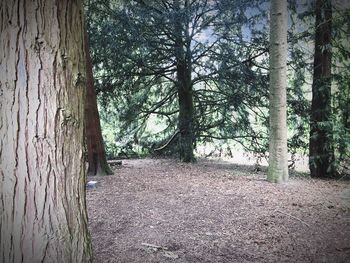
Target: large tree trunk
[(97, 162), (185, 125), (184, 87), (321, 152), (278, 157), (43, 214)]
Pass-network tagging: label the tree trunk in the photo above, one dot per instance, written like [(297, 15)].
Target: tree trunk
[(185, 125), (43, 214), (321, 152), (278, 156), (97, 162), (184, 87)]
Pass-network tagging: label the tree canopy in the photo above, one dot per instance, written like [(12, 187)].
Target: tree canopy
[(136, 50)]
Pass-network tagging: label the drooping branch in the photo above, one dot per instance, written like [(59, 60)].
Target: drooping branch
[(168, 143)]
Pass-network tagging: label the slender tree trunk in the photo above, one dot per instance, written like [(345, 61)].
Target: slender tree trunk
[(95, 148), (184, 87), (278, 156), (43, 214), (321, 151)]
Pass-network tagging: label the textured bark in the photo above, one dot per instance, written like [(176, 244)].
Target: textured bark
[(321, 153), (186, 124), (184, 87), (97, 162), (278, 157), (43, 214)]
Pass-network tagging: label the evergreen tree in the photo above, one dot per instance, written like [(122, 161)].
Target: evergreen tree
[(42, 171), (96, 155), (341, 87), (321, 153), (188, 63)]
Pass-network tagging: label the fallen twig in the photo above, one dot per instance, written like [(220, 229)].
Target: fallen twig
[(301, 221), (154, 246)]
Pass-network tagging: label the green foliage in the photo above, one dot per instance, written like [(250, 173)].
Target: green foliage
[(341, 95), (133, 51), (336, 127)]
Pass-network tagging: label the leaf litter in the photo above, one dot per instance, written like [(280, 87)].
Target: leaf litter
[(160, 210)]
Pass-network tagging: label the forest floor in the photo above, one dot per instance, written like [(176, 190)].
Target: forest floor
[(160, 210)]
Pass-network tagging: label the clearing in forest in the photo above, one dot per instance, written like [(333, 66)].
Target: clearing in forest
[(159, 210)]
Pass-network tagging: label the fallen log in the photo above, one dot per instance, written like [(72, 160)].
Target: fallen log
[(114, 162)]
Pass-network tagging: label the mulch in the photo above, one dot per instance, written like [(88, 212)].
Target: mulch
[(160, 210)]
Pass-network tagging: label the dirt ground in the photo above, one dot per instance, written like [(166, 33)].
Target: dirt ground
[(159, 210)]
